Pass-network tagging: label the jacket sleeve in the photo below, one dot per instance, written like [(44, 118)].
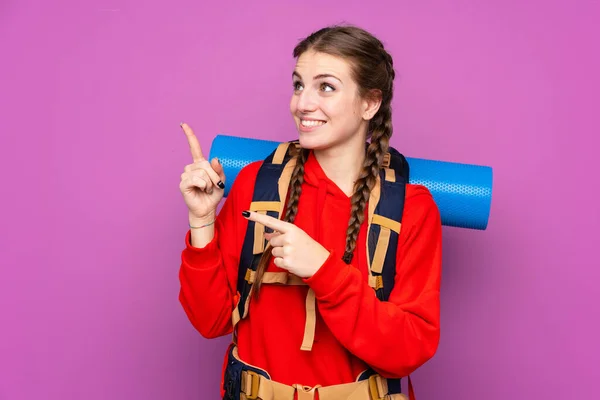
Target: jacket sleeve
[(208, 275), (397, 336)]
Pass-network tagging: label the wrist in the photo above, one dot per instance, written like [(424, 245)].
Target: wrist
[(322, 259), (194, 220), (202, 230)]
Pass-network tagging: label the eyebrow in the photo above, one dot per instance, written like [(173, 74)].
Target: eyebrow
[(320, 76)]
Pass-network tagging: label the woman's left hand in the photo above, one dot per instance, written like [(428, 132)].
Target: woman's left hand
[(293, 249)]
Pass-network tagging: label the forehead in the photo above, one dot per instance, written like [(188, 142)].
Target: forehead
[(313, 63)]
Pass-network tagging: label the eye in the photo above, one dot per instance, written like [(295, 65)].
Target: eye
[(326, 87), (297, 86)]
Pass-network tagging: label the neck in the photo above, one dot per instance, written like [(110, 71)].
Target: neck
[(343, 164)]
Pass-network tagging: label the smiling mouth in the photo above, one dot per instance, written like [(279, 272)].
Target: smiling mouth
[(310, 124)]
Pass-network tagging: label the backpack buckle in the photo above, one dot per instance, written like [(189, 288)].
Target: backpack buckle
[(387, 158), (376, 388), (252, 379)]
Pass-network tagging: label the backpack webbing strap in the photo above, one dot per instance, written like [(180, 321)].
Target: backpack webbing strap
[(276, 170), (386, 205), (282, 278), (311, 321), (268, 199), (285, 278)]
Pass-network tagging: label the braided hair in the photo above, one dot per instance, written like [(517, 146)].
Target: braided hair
[(373, 70)]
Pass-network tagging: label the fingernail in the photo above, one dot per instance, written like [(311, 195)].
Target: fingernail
[(246, 214), (181, 124), (221, 185)]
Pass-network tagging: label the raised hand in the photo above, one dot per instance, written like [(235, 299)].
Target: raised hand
[(202, 182), (293, 249)]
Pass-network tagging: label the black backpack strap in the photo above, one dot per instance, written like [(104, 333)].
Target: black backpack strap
[(270, 192), (386, 206)]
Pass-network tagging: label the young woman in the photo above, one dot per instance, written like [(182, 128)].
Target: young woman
[(341, 105)]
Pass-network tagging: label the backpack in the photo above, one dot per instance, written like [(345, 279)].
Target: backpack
[(386, 206)]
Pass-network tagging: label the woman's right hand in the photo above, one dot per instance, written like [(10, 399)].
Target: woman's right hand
[(202, 182)]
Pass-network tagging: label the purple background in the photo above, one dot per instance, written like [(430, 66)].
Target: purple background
[(91, 95)]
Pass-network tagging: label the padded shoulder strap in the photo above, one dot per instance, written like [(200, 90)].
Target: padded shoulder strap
[(270, 191), (386, 206)]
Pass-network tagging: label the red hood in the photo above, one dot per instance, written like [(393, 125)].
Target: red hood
[(329, 196), (315, 176)]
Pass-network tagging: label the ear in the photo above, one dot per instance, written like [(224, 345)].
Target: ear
[(371, 104)]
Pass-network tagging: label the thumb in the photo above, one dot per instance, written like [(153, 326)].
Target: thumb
[(218, 168)]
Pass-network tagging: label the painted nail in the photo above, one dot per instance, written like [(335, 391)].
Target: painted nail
[(221, 185), (246, 214)]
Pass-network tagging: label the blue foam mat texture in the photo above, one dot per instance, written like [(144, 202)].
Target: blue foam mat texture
[(462, 192)]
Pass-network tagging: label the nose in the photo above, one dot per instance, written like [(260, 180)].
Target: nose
[(307, 101)]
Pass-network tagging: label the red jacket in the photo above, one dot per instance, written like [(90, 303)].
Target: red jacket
[(353, 328)]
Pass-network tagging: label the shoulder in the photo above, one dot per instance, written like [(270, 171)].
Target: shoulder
[(248, 173), (245, 179), (418, 197), (420, 210)]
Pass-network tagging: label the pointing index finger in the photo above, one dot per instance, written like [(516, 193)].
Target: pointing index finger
[(194, 143), (268, 221)]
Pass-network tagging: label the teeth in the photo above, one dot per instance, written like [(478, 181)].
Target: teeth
[(311, 123)]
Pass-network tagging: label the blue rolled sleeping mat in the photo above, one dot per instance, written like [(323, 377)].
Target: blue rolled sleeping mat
[(462, 192)]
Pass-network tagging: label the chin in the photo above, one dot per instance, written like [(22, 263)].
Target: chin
[(310, 142)]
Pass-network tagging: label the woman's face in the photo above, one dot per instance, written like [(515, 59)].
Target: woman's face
[(325, 105)]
